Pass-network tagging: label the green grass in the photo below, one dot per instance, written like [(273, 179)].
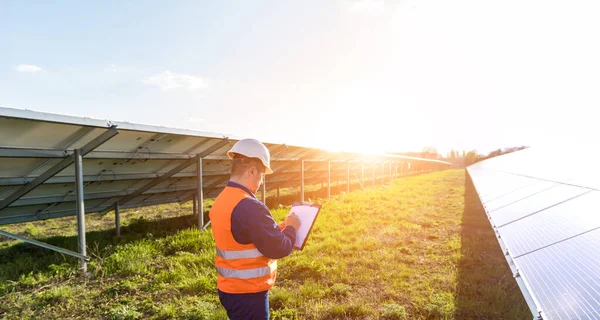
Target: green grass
[(418, 248)]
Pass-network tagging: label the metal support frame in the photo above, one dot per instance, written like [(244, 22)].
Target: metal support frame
[(293, 162), (283, 168), (149, 185), (277, 150), (80, 208), (117, 220), (44, 245), (389, 171), (278, 194), (89, 196), (198, 145), (328, 179), (301, 180), (195, 204), (173, 171), (348, 177), (190, 195), (200, 191), (94, 178), (67, 161), (362, 174), (8, 152), (373, 169)]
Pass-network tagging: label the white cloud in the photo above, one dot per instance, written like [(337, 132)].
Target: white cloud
[(28, 68), (168, 80)]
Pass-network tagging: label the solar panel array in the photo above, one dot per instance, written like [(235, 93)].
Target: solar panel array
[(137, 165), (543, 206)]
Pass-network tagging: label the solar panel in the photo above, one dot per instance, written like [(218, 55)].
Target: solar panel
[(126, 165), (543, 209)]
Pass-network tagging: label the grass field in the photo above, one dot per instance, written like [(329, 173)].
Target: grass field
[(417, 248)]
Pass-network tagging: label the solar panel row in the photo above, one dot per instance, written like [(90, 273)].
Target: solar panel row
[(544, 214), (133, 165)]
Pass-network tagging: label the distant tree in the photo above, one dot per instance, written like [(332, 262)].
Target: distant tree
[(457, 158), (500, 152), (430, 153), (471, 157), (453, 155)]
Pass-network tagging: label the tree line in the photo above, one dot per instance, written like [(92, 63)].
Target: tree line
[(459, 159)]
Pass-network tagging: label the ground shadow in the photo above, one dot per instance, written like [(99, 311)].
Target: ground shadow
[(486, 288)]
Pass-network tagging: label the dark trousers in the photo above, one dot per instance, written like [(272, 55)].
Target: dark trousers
[(250, 306)]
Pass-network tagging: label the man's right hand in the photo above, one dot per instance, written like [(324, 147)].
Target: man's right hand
[(292, 220)]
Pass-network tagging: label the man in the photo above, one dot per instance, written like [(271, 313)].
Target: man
[(247, 238)]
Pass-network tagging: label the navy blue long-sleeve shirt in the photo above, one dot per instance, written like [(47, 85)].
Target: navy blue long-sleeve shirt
[(251, 222)]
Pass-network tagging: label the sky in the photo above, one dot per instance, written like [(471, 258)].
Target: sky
[(364, 75)]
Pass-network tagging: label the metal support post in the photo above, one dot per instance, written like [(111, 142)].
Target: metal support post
[(373, 168), (382, 173), (80, 208), (278, 194), (301, 180), (362, 174), (389, 173), (194, 203), (348, 177), (200, 192), (117, 219), (328, 179)]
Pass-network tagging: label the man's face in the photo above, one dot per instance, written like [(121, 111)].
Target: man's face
[(256, 177)]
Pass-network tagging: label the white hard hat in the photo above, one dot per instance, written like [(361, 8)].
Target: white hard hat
[(252, 148)]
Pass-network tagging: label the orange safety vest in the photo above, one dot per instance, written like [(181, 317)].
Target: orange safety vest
[(241, 268)]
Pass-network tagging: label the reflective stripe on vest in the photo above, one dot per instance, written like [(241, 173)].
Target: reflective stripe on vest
[(238, 254), (244, 274)]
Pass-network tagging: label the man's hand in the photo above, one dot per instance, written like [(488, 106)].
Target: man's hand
[(292, 220)]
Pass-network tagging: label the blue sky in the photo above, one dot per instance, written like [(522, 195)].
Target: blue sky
[(361, 75)]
